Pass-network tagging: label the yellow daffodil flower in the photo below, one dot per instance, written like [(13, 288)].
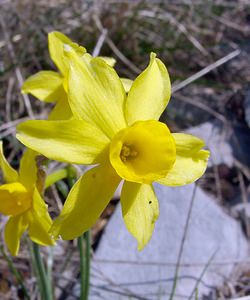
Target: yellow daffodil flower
[(122, 135), (50, 86), (21, 201)]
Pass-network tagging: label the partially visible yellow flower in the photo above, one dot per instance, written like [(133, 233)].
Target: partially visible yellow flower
[(21, 201), (121, 133), (50, 86)]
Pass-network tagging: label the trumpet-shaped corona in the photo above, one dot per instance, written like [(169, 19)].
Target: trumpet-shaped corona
[(15, 198), (22, 203), (143, 152)]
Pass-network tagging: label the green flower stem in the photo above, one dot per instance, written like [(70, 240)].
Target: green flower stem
[(50, 269), (33, 262), (15, 272), (84, 247), (56, 176), (46, 290), (84, 253), (71, 174)]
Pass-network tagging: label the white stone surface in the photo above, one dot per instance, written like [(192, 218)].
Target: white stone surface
[(119, 267), (216, 140)]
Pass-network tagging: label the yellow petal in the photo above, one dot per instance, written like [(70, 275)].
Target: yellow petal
[(86, 201), (38, 230), (96, 93), (28, 169), (13, 232), (143, 152), (57, 42), (9, 174), (14, 199), (140, 211), (39, 221), (41, 208), (73, 141), (127, 83), (61, 111), (45, 85), (149, 93), (191, 161), (108, 60)]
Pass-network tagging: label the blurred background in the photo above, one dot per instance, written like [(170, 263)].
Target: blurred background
[(203, 232)]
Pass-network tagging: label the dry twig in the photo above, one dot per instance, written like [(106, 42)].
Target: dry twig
[(209, 68), (17, 69)]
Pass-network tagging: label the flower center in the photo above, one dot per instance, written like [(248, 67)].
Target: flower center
[(143, 152), (128, 152)]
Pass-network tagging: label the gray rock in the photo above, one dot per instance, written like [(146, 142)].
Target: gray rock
[(225, 143), (119, 270), (217, 141)]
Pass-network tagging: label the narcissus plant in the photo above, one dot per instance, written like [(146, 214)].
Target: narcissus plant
[(122, 136), (23, 204)]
